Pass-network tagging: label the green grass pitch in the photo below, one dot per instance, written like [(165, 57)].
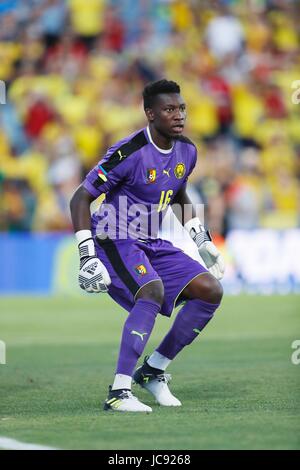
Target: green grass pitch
[(237, 383)]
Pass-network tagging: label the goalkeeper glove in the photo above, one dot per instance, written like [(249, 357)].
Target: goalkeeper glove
[(93, 275), (207, 250)]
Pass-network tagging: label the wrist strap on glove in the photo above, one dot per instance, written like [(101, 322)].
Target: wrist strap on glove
[(197, 231), (86, 245), (87, 248)]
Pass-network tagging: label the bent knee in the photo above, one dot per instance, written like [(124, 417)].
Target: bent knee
[(217, 292), (154, 291), (207, 288)]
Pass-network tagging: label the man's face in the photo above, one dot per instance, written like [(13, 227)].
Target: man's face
[(168, 114)]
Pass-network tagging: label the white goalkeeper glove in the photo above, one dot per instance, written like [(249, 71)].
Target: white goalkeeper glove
[(207, 250), (93, 275)]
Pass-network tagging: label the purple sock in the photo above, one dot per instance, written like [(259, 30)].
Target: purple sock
[(190, 320), (136, 332)]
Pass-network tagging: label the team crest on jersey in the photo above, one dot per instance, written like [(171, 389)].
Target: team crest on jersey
[(179, 170), (140, 270), (151, 175), (102, 173)]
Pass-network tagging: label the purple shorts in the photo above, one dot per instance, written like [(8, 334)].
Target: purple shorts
[(132, 264)]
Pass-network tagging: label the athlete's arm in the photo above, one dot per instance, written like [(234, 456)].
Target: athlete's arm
[(80, 209), (182, 202), (206, 248), (93, 275)]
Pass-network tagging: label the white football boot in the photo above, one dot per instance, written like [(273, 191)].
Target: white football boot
[(123, 400), (156, 382)]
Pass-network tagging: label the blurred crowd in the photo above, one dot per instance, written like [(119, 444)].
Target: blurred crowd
[(74, 72)]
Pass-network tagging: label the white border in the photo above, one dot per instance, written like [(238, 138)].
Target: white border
[(12, 444)]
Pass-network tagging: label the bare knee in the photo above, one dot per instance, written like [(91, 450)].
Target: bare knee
[(217, 291), (152, 291), (205, 287)]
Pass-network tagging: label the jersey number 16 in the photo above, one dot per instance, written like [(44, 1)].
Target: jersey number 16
[(165, 199)]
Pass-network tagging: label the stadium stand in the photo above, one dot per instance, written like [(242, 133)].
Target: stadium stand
[(74, 71)]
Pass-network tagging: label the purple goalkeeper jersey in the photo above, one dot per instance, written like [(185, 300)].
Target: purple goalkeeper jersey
[(140, 182)]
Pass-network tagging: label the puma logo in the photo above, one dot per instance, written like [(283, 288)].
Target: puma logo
[(121, 156), (141, 335), (167, 172)]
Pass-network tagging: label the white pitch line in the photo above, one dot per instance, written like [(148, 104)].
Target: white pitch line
[(11, 444)]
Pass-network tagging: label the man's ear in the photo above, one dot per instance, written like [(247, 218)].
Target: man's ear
[(150, 114)]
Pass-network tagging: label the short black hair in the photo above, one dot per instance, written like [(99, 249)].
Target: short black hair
[(156, 88)]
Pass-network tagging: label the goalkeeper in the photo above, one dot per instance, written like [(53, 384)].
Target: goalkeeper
[(145, 274)]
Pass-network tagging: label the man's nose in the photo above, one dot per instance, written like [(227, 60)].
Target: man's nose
[(180, 115)]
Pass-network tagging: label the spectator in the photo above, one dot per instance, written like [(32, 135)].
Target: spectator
[(39, 113), (74, 70), (225, 35)]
